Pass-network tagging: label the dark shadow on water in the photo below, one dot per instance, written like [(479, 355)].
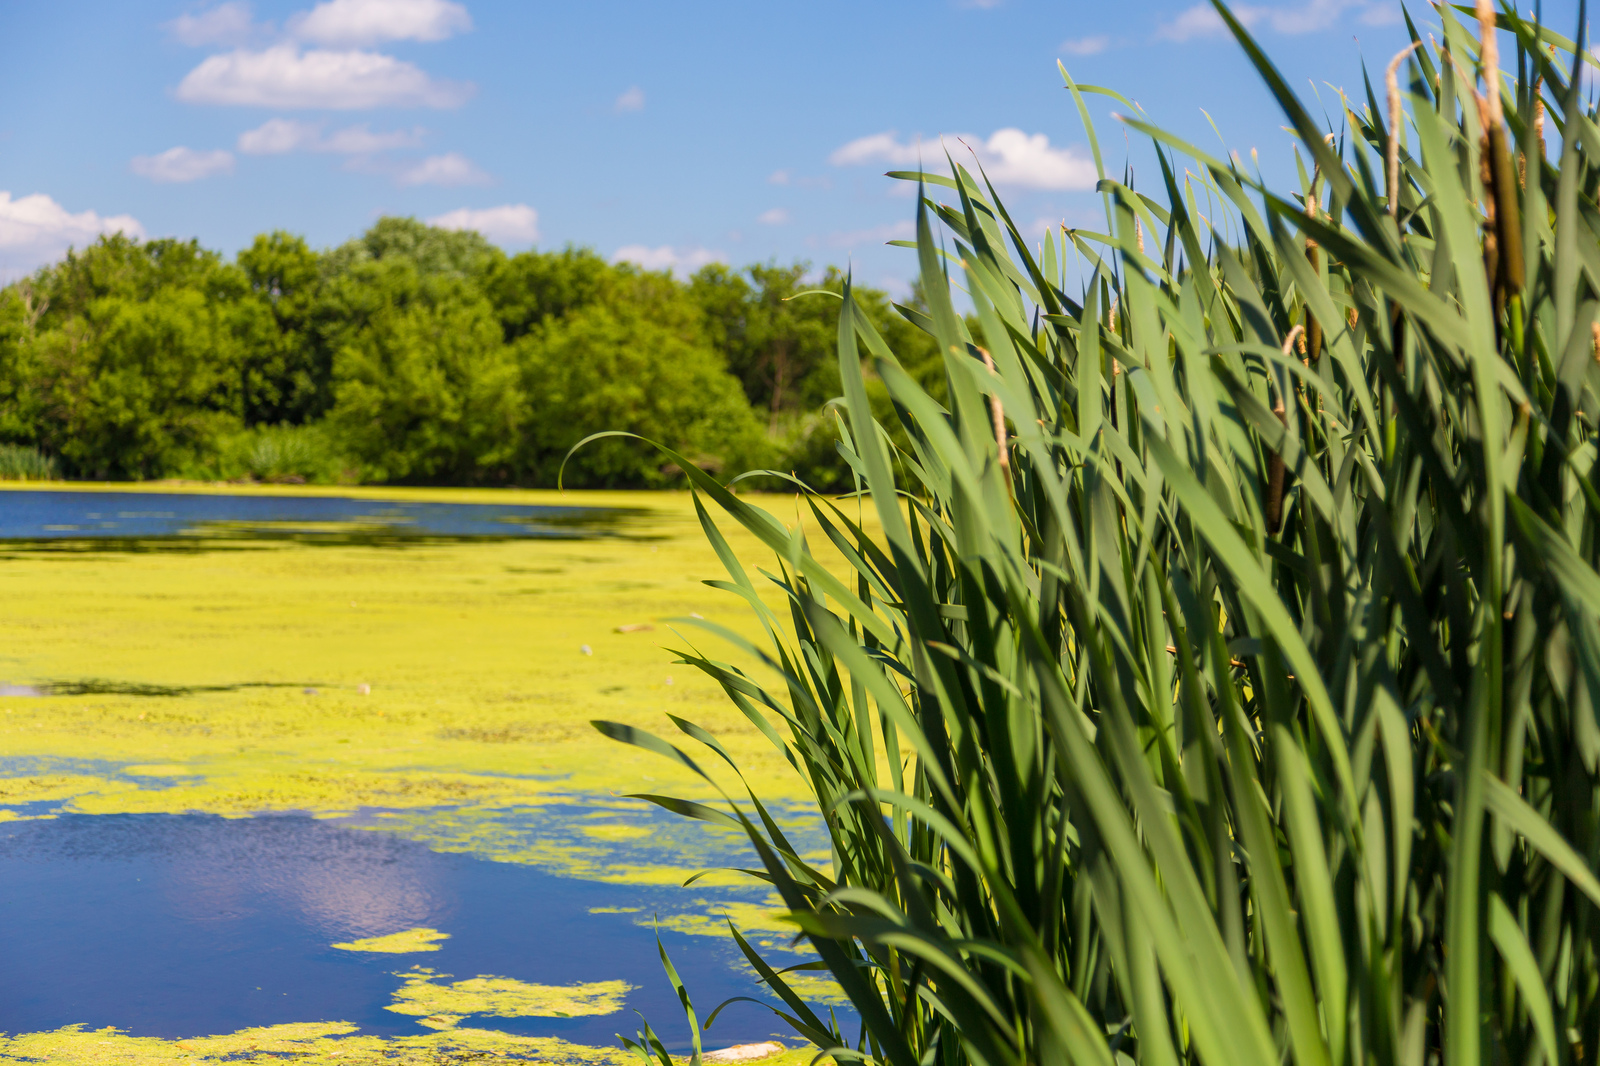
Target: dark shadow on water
[(69, 521), (91, 686), (185, 925)]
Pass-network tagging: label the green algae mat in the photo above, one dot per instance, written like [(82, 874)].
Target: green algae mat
[(438, 689)]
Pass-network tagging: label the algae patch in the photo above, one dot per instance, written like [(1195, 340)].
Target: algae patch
[(441, 1006), (331, 1042), (401, 943), (50, 788)]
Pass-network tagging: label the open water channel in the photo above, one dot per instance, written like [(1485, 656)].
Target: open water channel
[(54, 515), (184, 925)]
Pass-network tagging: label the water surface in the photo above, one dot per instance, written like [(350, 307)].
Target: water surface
[(184, 925), (57, 515)]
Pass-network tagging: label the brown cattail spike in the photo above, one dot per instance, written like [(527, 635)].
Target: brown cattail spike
[(1311, 346), (1538, 115), (1391, 81), (1507, 215), (998, 414), (1275, 472)]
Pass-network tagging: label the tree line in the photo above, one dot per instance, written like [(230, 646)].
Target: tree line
[(413, 354)]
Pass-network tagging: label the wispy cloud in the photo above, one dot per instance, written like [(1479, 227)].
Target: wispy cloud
[(665, 257), (452, 168), (182, 164), (632, 100), (283, 76), (857, 238), (777, 216), (1313, 16), (226, 24), (358, 22), (279, 136), (506, 224), (789, 177), (1086, 46), (35, 230), (1201, 20), (1009, 156)]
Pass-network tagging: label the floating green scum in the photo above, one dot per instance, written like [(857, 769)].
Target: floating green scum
[(447, 685)]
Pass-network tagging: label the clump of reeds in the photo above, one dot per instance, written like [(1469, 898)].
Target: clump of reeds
[(19, 462), (1238, 705)]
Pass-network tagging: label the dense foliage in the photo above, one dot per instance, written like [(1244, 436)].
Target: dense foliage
[(415, 354), (1223, 688)]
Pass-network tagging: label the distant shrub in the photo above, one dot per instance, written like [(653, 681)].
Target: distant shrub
[(283, 455), (20, 462)]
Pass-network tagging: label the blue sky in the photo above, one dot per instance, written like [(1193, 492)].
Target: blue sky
[(671, 134)]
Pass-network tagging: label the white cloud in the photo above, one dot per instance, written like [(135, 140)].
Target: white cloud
[(359, 140), (284, 76), (452, 168), (1012, 157), (788, 177), (228, 23), (777, 216), (1086, 46), (632, 100), (278, 136), (182, 164), (666, 257), (1313, 16), (1009, 157), (1036, 229), (355, 22), (1307, 18), (904, 230), (506, 224), (1201, 20), (877, 148), (35, 230)]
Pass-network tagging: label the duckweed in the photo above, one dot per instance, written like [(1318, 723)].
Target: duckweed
[(442, 690), (441, 1006), (320, 1042), (238, 669), (326, 1042), (401, 943)]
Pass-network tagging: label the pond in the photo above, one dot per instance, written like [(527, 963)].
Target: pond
[(184, 925), (66, 515)]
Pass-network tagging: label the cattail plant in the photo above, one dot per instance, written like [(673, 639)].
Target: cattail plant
[(1206, 697)]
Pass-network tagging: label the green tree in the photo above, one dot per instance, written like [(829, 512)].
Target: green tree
[(435, 252), (288, 370), (426, 390), (779, 347), (615, 368), (157, 387), (530, 287), (132, 358), (20, 406)]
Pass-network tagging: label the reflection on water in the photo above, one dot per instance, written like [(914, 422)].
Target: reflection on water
[(183, 925), (60, 516), (348, 901)]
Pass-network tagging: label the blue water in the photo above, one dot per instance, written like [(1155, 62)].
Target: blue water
[(53, 514), (186, 925)]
